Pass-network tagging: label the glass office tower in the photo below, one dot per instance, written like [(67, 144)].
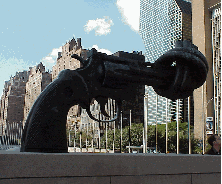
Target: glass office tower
[(162, 23)]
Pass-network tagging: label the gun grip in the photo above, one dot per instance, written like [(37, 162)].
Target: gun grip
[(45, 128)]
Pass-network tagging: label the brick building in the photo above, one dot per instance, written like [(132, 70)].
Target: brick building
[(12, 101), (37, 81), (64, 61)]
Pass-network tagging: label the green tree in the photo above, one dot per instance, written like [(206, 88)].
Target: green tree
[(136, 134), (84, 136), (172, 138)]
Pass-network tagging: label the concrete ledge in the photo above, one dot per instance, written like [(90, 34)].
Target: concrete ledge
[(108, 168)]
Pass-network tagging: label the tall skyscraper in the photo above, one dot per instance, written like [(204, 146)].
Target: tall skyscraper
[(162, 23)]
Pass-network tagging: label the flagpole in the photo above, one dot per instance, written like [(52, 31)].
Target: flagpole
[(156, 119), (177, 126), (189, 125), (166, 124), (145, 123)]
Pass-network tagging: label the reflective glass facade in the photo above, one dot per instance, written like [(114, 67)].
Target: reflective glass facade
[(162, 23)]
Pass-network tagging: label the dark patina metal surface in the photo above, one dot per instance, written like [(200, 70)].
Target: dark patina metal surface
[(174, 75)]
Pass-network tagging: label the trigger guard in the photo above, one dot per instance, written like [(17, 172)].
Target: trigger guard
[(105, 121)]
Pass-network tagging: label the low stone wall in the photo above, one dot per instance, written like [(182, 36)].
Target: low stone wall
[(16, 167)]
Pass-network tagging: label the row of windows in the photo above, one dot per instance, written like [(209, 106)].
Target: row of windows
[(160, 28)]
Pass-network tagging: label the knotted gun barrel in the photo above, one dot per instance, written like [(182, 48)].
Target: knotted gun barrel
[(174, 75), (191, 70)]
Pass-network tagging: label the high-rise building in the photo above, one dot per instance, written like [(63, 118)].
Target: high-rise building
[(12, 102), (65, 61), (162, 23), (206, 30), (37, 81)]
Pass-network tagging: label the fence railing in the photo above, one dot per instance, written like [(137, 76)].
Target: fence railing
[(12, 135), (131, 138)]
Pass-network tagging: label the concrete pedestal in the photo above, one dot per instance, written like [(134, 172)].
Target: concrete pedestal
[(16, 167)]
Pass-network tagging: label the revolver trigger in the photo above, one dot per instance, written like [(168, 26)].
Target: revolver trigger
[(102, 101)]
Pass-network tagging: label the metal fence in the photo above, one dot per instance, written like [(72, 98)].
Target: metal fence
[(91, 136), (12, 137)]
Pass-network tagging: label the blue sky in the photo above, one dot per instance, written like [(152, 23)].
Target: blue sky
[(34, 31)]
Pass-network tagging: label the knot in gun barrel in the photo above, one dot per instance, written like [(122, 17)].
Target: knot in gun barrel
[(191, 70)]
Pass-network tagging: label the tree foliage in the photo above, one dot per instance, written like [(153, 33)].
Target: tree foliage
[(85, 136), (136, 138), (136, 135)]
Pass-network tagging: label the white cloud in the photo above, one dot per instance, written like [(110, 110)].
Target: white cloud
[(130, 11), (9, 67), (50, 59), (101, 26), (102, 50), (55, 51), (12, 65)]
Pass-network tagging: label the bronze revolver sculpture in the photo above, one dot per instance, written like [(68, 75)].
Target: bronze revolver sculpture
[(174, 75)]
